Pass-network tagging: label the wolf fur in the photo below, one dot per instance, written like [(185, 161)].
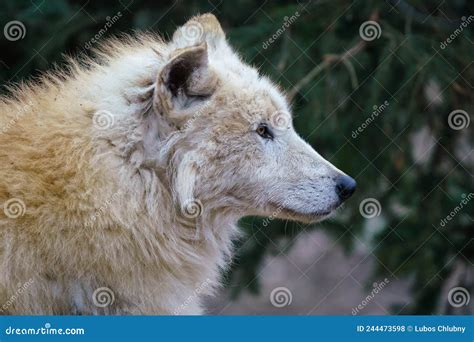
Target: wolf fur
[(122, 176)]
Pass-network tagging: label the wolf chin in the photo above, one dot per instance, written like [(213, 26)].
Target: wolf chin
[(122, 176)]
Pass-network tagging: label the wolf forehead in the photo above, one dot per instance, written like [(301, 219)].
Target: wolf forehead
[(251, 104)]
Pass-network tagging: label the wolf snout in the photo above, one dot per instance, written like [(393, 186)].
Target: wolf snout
[(345, 187)]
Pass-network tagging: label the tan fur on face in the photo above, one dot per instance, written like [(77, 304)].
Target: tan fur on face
[(107, 207)]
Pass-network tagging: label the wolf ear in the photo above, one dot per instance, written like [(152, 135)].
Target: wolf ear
[(185, 83), (201, 28)]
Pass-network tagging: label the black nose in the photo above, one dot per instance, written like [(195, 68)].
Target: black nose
[(345, 187)]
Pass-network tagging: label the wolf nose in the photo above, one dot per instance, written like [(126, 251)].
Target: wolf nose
[(345, 187)]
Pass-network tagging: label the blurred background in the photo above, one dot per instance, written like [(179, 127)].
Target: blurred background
[(382, 89)]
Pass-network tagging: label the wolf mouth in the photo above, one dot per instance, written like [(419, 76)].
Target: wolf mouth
[(288, 213)]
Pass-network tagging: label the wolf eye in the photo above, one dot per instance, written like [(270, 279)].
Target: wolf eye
[(264, 131)]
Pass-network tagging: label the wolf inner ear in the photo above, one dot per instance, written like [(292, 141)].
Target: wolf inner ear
[(185, 83)]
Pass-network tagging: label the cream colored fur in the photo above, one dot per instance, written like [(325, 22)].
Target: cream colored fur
[(134, 167)]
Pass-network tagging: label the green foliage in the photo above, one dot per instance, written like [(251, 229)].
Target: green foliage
[(398, 67)]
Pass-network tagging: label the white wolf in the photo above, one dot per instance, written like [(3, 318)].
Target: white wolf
[(123, 177)]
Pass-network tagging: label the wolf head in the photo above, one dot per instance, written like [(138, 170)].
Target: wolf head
[(234, 147)]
